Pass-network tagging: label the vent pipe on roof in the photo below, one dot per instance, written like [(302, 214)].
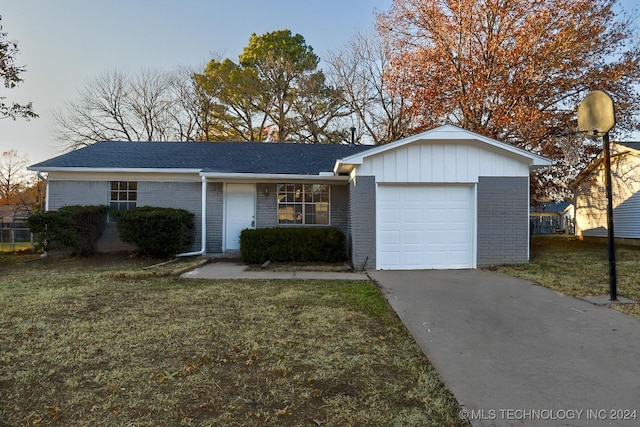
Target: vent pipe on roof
[(353, 136)]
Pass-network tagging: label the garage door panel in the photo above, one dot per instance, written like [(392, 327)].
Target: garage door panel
[(412, 216), (413, 258), (457, 238), (412, 238), (436, 236), (458, 215), (424, 227), (389, 216), (457, 260), (389, 238), (392, 257)]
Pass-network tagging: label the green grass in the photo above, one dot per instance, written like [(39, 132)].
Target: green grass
[(581, 268), (104, 342)]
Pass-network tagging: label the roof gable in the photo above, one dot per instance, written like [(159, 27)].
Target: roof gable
[(617, 149), (222, 157), (445, 133)]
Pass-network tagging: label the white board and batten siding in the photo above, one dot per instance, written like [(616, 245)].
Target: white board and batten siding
[(451, 162)]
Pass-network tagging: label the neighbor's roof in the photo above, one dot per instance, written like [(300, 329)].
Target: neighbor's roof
[(222, 157), (558, 207), (633, 145)]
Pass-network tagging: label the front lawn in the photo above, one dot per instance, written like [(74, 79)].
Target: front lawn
[(581, 268), (102, 342)]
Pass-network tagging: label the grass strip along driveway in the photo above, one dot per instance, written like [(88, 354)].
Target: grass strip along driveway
[(581, 268), (100, 342)]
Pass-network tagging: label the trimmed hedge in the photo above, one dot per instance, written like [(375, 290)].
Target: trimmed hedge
[(75, 227), (292, 244), (158, 232)]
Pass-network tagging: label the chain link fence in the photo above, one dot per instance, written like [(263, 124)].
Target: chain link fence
[(15, 237)]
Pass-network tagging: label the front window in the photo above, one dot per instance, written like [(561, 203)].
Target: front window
[(123, 195), (303, 204)]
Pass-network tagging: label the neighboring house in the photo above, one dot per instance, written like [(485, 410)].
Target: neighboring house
[(13, 224), (550, 218), (14, 214), (590, 195), (446, 198)]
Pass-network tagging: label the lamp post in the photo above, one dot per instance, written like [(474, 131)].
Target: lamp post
[(596, 117)]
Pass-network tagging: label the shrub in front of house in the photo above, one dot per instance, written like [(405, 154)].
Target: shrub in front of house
[(292, 245), (158, 232), (73, 227)]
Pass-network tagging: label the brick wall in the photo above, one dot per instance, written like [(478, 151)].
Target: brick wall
[(266, 206), (340, 207), (503, 220), (83, 193), (362, 222), (177, 195)]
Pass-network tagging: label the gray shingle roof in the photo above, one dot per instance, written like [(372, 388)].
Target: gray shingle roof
[(224, 157), (550, 207)]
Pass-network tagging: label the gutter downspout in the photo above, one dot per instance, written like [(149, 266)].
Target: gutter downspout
[(203, 222), (46, 189), (46, 205)]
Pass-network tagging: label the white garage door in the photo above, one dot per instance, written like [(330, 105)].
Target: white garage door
[(425, 227)]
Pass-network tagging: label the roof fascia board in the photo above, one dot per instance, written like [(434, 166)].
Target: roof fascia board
[(323, 176), (114, 170), (340, 167), (283, 177)]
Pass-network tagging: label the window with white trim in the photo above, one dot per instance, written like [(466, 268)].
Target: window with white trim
[(303, 204), (123, 195)]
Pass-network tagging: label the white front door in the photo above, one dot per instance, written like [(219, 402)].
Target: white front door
[(240, 211)]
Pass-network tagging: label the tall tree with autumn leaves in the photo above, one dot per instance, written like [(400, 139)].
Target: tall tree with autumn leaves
[(515, 70)]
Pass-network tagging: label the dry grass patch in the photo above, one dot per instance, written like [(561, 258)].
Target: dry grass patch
[(302, 266), (581, 268), (15, 247), (84, 343)]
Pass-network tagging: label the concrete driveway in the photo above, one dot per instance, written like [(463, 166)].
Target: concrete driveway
[(515, 353)]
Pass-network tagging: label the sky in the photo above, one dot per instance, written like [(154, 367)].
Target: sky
[(64, 44)]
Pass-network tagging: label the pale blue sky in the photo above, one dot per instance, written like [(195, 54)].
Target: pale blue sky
[(66, 43)]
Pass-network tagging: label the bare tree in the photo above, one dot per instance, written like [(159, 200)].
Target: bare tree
[(13, 174), (319, 109), (358, 69), (151, 106), (186, 114), (150, 100)]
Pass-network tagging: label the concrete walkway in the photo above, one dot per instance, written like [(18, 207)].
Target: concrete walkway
[(517, 354), (235, 270)]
